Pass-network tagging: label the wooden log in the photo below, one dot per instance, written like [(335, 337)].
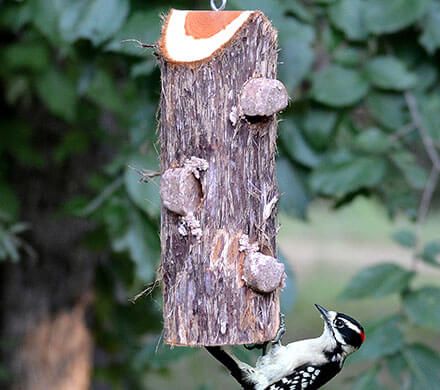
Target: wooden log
[(221, 278)]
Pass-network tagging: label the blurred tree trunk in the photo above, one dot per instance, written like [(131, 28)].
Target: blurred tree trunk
[(46, 343)]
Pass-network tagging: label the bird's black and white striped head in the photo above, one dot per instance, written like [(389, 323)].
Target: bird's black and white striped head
[(345, 330)]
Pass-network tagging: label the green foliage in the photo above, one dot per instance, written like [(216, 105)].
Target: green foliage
[(354, 69), (378, 281), (389, 344), (423, 363), (368, 380), (393, 15), (405, 237), (348, 16), (10, 241), (337, 86), (385, 338), (423, 307), (389, 73)]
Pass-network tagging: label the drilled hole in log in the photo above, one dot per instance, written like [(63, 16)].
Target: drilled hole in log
[(255, 120)]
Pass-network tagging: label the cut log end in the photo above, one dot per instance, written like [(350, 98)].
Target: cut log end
[(196, 36)]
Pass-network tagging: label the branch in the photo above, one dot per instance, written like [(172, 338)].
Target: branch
[(140, 44), (403, 131), (429, 145), (102, 197)]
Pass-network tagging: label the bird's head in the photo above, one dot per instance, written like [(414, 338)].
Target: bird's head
[(345, 330)]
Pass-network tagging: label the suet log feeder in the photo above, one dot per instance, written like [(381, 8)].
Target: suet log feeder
[(218, 129)]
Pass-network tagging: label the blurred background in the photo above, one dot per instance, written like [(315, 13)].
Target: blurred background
[(358, 169)]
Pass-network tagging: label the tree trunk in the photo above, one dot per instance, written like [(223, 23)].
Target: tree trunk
[(46, 343), (221, 280)]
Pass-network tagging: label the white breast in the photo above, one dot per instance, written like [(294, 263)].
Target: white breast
[(282, 360)]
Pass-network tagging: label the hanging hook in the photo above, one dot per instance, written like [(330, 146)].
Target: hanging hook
[(221, 8)]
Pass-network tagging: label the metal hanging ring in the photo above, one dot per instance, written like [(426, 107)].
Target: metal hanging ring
[(221, 8)]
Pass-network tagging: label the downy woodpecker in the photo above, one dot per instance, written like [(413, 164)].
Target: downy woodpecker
[(302, 365)]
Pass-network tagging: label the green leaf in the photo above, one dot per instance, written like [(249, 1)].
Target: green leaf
[(17, 139), (348, 55), (294, 195), (142, 26), (58, 93), (423, 307), (144, 194), (14, 17), (143, 68), (348, 16), (337, 86), (414, 174), (73, 143), (21, 56), (388, 72), (46, 16), (384, 338), (301, 11), (368, 380), (397, 366), (318, 125), (103, 91), (426, 74), (303, 32), (430, 109), (96, 20), (373, 141), (405, 237), (430, 39), (378, 281), (423, 363), (140, 241), (296, 145), (388, 109), (296, 55), (9, 246), (341, 178), (9, 203), (431, 252), (393, 15)]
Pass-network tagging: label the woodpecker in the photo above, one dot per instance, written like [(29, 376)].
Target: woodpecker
[(301, 365)]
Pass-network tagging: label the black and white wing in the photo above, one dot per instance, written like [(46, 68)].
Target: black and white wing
[(307, 377)]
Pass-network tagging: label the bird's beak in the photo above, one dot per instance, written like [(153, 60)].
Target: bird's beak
[(324, 313)]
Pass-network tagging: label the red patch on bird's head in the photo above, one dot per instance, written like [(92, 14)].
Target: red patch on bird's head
[(363, 337)]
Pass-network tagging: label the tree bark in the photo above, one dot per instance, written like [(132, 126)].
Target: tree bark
[(210, 232)]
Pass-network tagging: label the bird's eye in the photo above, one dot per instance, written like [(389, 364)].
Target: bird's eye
[(339, 323)]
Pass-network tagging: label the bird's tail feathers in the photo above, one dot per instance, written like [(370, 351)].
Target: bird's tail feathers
[(239, 370)]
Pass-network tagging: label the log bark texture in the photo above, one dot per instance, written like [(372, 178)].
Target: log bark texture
[(206, 300)]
